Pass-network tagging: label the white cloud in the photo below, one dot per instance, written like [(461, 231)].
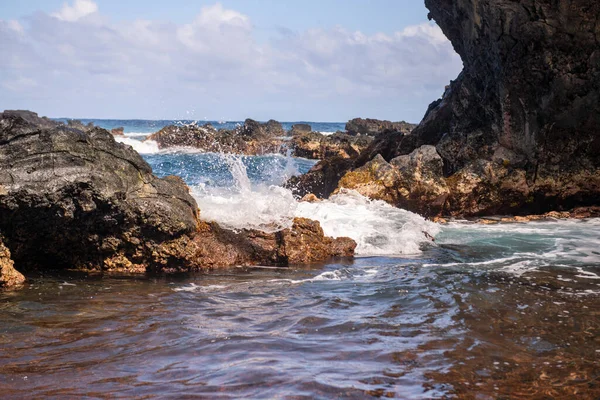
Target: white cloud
[(215, 64), (15, 26), (79, 9)]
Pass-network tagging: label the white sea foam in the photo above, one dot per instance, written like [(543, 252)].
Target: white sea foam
[(145, 147), (137, 134), (377, 227)]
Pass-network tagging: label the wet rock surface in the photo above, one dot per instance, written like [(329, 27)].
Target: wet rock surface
[(252, 138), (414, 182), (79, 200)]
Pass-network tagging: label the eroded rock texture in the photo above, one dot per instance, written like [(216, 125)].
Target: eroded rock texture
[(518, 130), (314, 145), (252, 138)]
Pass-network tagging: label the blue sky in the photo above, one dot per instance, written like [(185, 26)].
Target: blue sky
[(327, 60)]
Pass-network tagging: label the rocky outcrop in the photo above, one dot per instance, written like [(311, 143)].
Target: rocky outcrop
[(9, 276), (373, 127), (322, 179), (252, 138), (79, 200), (120, 131), (314, 145), (299, 129), (215, 247), (517, 131), (414, 182)]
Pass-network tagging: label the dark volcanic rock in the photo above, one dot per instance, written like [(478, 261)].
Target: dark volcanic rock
[(251, 138), (80, 200), (273, 128), (373, 127), (322, 179), (315, 145), (299, 129), (517, 131), (527, 101), (73, 199)]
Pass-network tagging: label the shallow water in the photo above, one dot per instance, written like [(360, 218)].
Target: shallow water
[(390, 327), (485, 312)]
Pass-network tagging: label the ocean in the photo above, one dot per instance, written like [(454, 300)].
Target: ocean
[(508, 310)]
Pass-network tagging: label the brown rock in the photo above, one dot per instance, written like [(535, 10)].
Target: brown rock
[(413, 182), (9, 276), (118, 131), (314, 145), (310, 198)]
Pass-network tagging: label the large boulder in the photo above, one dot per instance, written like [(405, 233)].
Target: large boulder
[(413, 181), (517, 131), (527, 104), (74, 198), (373, 127), (80, 200)]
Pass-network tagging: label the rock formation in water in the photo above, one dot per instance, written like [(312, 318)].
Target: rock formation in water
[(374, 127), (252, 138), (71, 199), (517, 131), (120, 131), (315, 145)]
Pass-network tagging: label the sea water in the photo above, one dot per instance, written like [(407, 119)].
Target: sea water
[(484, 311)]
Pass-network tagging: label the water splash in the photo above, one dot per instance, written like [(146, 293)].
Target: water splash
[(377, 227)]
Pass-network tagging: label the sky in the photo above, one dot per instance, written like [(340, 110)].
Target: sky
[(292, 60)]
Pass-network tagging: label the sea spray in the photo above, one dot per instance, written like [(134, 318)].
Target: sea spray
[(244, 192), (145, 147), (377, 227)]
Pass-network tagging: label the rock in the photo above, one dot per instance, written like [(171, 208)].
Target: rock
[(310, 198), (9, 276), (72, 199), (303, 243), (517, 131), (80, 200), (120, 131), (314, 145), (251, 139), (530, 89), (77, 124), (298, 129), (373, 127), (273, 128), (413, 182), (32, 118), (322, 178)]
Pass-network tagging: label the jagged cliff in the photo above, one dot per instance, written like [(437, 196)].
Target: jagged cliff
[(518, 130)]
